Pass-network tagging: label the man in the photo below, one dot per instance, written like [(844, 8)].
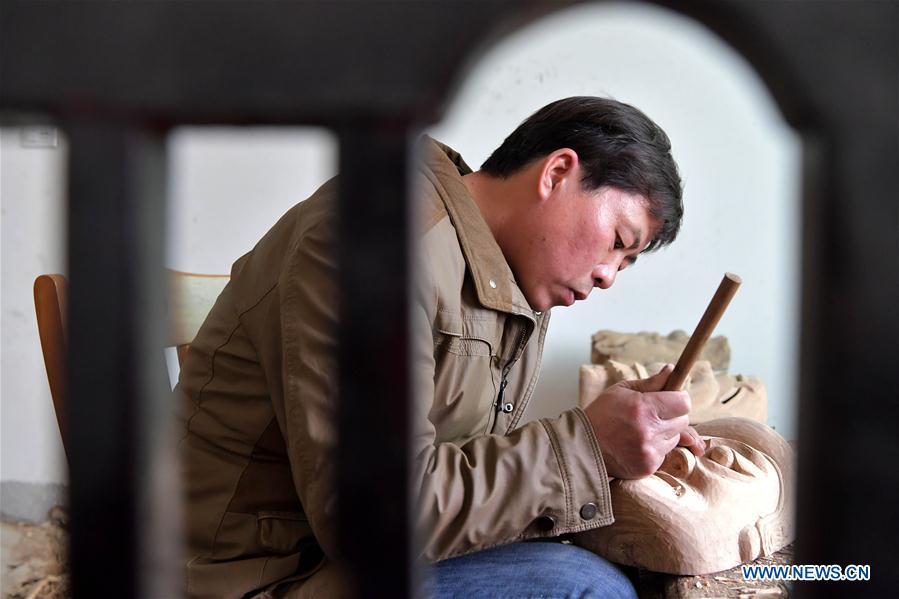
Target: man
[(566, 202)]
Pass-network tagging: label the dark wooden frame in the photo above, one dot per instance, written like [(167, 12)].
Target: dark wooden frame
[(117, 76)]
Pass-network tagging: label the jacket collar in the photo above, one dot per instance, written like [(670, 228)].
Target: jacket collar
[(493, 279)]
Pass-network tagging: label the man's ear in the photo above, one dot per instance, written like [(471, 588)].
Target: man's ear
[(557, 168)]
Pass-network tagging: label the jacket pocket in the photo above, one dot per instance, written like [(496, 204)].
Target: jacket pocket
[(282, 532), (464, 377), (464, 337)]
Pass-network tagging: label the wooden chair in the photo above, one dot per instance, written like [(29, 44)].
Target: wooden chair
[(191, 296)]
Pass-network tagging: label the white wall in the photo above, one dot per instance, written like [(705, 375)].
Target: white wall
[(228, 186), (32, 184), (738, 160)]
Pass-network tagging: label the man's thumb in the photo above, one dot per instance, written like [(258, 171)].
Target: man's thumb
[(654, 383)]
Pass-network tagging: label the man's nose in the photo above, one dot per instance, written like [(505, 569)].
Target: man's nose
[(604, 275)]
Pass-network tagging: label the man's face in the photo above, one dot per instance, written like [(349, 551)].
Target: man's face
[(575, 240)]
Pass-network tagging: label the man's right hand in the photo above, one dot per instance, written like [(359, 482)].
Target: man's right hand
[(637, 424)]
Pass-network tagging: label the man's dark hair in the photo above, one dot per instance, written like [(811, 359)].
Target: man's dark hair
[(617, 146)]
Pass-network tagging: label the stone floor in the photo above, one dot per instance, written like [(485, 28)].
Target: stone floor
[(34, 558), (35, 566)]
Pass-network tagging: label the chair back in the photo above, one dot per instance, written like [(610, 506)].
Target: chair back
[(51, 306), (190, 298)]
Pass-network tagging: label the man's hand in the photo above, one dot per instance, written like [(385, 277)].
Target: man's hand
[(637, 424)]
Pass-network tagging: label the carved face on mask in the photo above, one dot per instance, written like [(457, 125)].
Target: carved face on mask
[(705, 514)]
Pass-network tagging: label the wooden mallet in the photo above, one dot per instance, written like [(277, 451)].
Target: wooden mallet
[(726, 290)]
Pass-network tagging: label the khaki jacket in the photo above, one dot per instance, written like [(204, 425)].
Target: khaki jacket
[(259, 402)]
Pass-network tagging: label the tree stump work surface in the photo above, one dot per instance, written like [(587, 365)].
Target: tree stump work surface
[(729, 583)]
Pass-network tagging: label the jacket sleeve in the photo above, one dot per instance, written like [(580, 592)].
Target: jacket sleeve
[(545, 479)]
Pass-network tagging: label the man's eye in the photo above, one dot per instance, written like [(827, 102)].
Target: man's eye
[(618, 243)]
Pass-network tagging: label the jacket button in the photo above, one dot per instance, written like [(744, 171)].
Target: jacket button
[(546, 523), (492, 284), (508, 407), (588, 511)]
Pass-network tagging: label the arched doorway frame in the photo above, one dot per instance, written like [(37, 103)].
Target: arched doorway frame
[(102, 71)]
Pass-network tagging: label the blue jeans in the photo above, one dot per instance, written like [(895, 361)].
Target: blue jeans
[(533, 569)]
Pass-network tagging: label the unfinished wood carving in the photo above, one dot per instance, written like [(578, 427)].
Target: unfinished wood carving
[(707, 514), (596, 378), (647, 348), (713, 395)]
